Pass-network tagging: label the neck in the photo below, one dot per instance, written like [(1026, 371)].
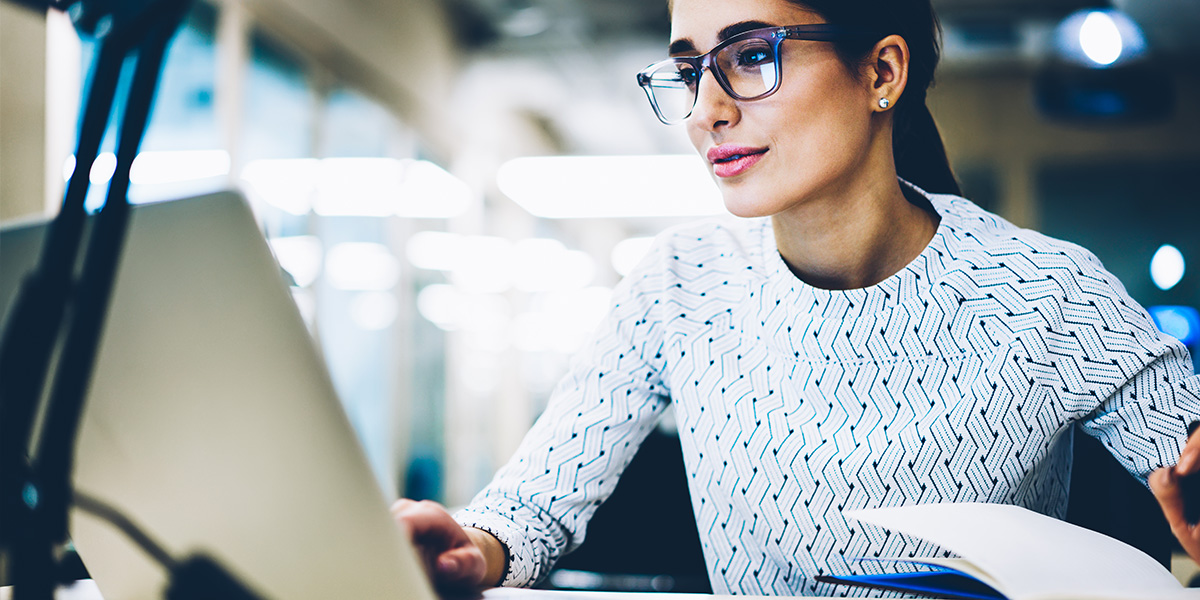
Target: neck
[(856, 237)]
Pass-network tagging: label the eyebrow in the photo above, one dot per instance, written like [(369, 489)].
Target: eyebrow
[(685, 45)]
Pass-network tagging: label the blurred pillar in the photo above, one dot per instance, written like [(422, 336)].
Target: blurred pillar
[(22, 111), (232, 47), (1018, 193), (64, 87)]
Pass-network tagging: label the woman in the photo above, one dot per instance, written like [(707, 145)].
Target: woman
[(857, 339)]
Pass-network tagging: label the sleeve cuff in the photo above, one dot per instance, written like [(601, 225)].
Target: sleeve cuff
[(521, 568)]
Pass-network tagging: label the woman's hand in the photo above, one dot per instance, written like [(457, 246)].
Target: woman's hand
[(1167, 485), (456, 558)]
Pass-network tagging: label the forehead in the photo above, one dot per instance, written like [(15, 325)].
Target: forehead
[(700, 21)]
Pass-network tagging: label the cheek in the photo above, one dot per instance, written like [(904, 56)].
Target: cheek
[(697, 135), (823, 123)]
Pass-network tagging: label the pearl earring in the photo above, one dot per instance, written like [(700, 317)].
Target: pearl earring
[(884, 103)]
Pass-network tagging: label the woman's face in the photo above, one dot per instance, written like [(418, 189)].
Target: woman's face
[(799, 144)]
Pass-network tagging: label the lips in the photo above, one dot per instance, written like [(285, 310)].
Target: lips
[(729, 160)]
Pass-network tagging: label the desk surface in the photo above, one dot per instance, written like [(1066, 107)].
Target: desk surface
[(87, 590)]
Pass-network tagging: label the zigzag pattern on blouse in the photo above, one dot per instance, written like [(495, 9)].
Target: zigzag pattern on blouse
[(958, 379)]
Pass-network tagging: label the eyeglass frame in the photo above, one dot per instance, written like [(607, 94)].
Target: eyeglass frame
[(818, 32)]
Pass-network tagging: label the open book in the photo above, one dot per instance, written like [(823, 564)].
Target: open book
[(1012, 553)]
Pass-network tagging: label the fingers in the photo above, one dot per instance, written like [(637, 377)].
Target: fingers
[(462, 567), (452, 560), (1164, 483), (428, 522), (1189, 459)]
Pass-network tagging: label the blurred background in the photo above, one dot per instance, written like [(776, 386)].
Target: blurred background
[(454, 186)]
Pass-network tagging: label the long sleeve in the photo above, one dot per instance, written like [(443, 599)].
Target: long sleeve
[(539, 503), (1143, 423)]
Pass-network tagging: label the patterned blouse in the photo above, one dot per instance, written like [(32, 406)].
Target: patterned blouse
[(957, 379)]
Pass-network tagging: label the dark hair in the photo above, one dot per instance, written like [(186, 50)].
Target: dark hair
[(916, 144)]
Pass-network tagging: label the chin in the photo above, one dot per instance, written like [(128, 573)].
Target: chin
[(746, 204)]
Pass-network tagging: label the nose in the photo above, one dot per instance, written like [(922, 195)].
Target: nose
[(714, 107)]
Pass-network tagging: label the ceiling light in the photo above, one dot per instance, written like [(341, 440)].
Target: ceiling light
[(151, 168), (558, 187), (1099, 39), (300, 256), (361, 266), (1167, 267), (286, 184), (358, 187), (374, 311), (103, 168)]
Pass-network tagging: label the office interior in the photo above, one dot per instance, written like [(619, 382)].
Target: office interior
[(453, 187)]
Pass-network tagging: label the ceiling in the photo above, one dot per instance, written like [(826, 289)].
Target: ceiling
[(566, 66), (539, 25)]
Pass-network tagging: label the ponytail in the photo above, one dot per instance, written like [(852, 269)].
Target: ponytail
[(917, 146)]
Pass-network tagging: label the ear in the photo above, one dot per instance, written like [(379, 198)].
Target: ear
[(887, 71)]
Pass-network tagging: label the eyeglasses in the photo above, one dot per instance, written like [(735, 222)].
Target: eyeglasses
[(746, 66)]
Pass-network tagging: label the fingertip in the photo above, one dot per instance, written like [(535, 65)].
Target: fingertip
[(1158, 479), (1185, 465), (447, 566)]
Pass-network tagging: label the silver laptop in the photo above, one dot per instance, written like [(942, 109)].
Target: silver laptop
[(212, 422)]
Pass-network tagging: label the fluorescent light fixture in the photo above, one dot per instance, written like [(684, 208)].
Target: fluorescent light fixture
[(361, 266), (1167, 267), (629, 252), (434, 250), (484, 266), (103, 168), (374, 311), (1099, 39), (453, 309), (429, 192), (300, 256), (541, 265), (559, 187), (286, 184), (359, 187), (440, 303), (151, 168)]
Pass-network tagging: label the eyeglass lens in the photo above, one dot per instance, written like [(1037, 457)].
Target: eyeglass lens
[(748, 66)]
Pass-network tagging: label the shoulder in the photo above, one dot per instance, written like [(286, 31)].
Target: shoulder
[(982, 239), (1063, 285)]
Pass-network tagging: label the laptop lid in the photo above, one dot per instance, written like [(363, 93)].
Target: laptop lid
[(212, 422)]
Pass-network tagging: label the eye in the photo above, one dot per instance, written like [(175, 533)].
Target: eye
[(688, 75), (752, 56)]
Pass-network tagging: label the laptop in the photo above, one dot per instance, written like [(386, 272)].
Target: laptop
[(212, 422)]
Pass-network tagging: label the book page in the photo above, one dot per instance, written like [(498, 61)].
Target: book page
[(1030, 555)]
